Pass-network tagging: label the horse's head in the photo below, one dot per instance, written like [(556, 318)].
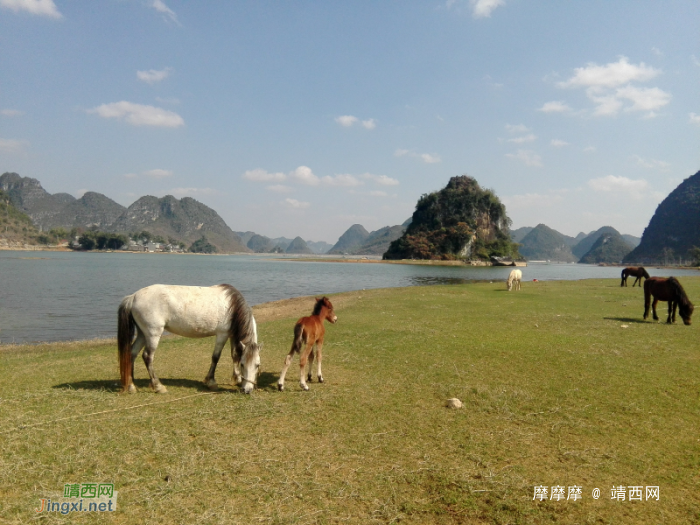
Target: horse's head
[(325, 304), (686, 312), (250, 365)]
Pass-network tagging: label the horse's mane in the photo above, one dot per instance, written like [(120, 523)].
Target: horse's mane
[(241, 328), (646, 274), (679, 292), (320, 303)]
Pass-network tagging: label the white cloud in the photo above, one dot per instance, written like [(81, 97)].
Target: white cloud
[(347, 181), (652, 164), (430, 159), (297, 204), (158, 173), (164, 10), (644, 99), (369, 123), (484, 8), (610, 75), (517, 128), (382, 180), (139, 115), (153, 75), (304, 175), (34, 7), (260, 175), (554, 106), (557, 143), (694, 119), (612, 183), (12, 146), (610, 87), (425, 157), (346, 120), (523, 139), (11, 113), (527, 157), (589, 149)]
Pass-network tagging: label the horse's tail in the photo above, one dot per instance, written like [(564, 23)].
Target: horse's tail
[(622, 276), (298, 337), (125, 336)]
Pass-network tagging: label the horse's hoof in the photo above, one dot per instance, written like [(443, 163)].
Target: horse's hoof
[(309, 378), (305, 388), (131, 389), (160, 389), (320, 379), (213, 387), (280, 387)]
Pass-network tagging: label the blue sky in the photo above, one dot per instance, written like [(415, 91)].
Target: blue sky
[(305, 117)]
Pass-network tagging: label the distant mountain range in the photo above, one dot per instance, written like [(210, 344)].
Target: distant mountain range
[(184, 220), (544, 243)]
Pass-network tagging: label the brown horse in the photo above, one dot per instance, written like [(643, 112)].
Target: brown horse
[(637, 272), (667, 290), (310, 331)]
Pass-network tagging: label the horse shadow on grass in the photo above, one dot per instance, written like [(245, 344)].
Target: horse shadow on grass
[(265, 380), (625, 320)]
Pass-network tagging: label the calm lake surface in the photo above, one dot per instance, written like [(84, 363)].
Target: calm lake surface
[(60, 296)]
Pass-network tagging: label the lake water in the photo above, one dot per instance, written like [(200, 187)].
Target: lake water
[(59, 296)]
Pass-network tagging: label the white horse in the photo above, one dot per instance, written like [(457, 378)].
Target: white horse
[(189, 311), (514, 278)]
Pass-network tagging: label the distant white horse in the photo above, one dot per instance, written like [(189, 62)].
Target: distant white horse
[(514, 278), (189, 311)]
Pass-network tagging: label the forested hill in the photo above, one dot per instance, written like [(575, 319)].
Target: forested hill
[(674, 229)]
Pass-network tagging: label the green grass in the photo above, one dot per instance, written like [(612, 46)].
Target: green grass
[(555, 390)]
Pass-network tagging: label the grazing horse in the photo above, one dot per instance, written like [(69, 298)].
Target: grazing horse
[(667, 290), (189, 311), (638, 272), (310, 331), (514, 278)]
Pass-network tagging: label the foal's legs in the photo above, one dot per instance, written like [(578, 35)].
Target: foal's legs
[(152, 341), (210, 380), (303, 359), (319, 350), (310, 366)]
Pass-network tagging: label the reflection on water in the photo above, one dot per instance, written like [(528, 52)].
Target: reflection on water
[(65, 296)]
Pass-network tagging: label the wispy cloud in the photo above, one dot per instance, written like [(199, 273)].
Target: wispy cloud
[(13, 146), (297, 205), (11, 113), (348, 121), (139, 115), (346, 181), (694, 119), (279, 188), (555, 106), (557, 143), (613, 184), (652, 164), (610, 87), (522, 140), (153, 75), (484, 8), (428, 158), (35, 7), (168, 14), (381, 180), (260, 175), (304, 175), (527, 157)]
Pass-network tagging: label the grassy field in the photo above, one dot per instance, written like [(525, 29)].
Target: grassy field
[(563, 384)]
